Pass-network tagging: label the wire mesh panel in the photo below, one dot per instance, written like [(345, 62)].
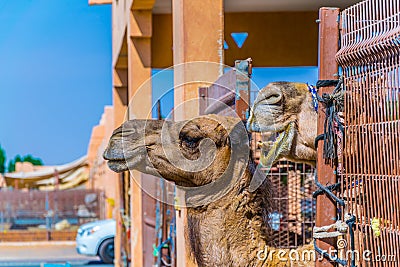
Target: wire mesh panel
[(293, 207), (370, 58)]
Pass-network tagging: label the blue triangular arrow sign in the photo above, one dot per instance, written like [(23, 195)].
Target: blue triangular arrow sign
[(239, 38), (226, 46)]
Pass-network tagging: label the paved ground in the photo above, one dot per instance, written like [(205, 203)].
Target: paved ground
[(44, 254)]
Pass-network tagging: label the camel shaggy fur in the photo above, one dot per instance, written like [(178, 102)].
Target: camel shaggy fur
[(285, 109), (230, 230)]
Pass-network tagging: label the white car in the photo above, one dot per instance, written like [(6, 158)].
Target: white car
[(97, 239)]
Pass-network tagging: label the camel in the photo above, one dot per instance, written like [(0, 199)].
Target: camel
[(286, 110), (209, 158)]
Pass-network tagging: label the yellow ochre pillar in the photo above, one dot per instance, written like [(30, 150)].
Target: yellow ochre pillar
[(198, 29)]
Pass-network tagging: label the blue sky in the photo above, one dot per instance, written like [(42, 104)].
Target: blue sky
[(55, 76)]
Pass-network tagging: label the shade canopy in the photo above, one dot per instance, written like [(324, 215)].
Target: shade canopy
[(69, 175)]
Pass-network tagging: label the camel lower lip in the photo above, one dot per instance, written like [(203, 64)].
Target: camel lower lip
[(128, 163), (117, 165), (278, 146)]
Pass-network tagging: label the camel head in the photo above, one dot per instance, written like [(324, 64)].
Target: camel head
[(286, 112), (190, 153)]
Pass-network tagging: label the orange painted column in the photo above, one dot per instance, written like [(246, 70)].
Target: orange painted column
[(198, 35), (120, 95), (198, 29), (139, 92), (118, 219), (120, 104)]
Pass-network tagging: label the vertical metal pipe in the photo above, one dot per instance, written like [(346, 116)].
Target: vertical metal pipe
[(159, 116), (243, 73), (328, 46), (56, 188)]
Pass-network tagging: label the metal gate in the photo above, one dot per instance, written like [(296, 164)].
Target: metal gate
[(21, 210), (370, 60)]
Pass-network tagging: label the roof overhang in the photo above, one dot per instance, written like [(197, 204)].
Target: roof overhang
[(100, 2), (165, 6)]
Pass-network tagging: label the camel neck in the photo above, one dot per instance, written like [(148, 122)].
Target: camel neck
[(230, 231)]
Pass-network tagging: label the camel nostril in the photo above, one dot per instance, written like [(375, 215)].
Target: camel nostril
[(272, 96), (114, 150), (106, 154), (273, 99)]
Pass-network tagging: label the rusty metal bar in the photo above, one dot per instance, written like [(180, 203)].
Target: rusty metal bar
[(222, 103), (203, 100), (243, 72), (219, 98), (328, 46), (229, 94)]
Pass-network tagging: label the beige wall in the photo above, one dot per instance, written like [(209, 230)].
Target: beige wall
[(2, 181), (28, 167), (96, 139), (100, 176)]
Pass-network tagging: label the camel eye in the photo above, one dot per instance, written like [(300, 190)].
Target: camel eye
[(190, 142)]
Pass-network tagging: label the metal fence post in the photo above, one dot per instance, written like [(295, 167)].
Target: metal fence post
[(328, 47), (243, 73)]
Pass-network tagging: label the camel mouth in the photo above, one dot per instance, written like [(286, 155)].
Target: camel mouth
[(129, 163), (118, 161), (115, 158), (117, 165), (278, 145)]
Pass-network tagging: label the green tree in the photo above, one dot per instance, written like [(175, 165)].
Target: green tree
[(2, 160), (34, 161), (11, 166), (18, 158)]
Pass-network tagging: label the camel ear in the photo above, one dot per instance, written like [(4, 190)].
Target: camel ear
[(222, 137), (239, 134), (230, 131)]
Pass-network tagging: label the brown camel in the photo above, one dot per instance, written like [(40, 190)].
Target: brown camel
[(285, 109), (209, 158)]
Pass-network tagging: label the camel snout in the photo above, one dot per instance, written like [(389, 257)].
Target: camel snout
[(114, 150)]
